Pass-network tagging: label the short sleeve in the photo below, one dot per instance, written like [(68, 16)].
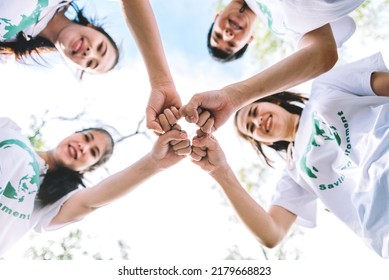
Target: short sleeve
[(297, 200), (353, 78), (46, 214), (8, 123)]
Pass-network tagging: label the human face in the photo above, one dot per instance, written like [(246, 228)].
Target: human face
[(81, 150), (267, 122), (233, 29), (86, 48)]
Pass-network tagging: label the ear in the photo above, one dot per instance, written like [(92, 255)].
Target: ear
[(250, 39)]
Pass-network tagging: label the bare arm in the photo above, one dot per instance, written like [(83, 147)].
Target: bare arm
[(118, 185), (143, 26), (268, 227), (380, 83), (316, 55)]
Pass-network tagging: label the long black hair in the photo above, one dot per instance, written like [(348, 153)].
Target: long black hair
[(61, 181), (293, 103), (25, 46)]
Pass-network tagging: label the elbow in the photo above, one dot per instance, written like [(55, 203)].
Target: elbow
[(327, 59), (270, 244)]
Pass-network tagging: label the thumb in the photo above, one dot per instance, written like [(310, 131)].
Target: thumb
[(151, 122), (189, 111)]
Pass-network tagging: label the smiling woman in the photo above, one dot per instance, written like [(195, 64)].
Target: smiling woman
[(42, 26), (44, 190)]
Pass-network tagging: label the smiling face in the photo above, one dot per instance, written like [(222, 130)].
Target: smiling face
[(87, 48), (81, 150), (267, 122), (233, 29)]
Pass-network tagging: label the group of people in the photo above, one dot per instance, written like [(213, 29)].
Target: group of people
[(334, 142)]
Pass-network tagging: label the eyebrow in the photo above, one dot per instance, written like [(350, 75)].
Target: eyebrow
[(96, 148), (105, 51), (250, 112)]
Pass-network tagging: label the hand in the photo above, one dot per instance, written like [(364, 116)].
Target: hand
[(170, 148), (161, 97), (217, 102), (207, 153)]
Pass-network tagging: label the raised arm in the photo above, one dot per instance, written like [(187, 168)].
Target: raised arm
[(270, 227), (317, 54), (162, 156), (143, 25)]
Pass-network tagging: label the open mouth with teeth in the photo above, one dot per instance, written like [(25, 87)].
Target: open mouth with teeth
[(72, 152), (234, 24), (268, 123), (78, 46)]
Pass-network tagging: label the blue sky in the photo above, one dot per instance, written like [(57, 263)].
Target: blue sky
[(195, 221)]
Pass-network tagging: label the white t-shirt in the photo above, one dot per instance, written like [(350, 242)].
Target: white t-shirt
[(291, 19), (20, 176), (29, 16), (341, 154)]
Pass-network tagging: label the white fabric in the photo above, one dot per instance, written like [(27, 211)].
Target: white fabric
[(291, 19), (30, 16), (20, 175), (342, 156)]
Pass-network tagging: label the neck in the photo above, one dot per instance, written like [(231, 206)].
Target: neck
[(58, 22), (294, 127), (48, 157)]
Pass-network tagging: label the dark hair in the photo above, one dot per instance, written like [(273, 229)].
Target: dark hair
[(222, 56), (59, 182), (24, 46), (286, 100)]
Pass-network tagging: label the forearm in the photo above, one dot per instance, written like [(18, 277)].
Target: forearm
[(121, 183), (317, 54), (256, 218), (143, 26)]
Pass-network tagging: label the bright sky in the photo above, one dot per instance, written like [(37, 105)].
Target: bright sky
[(178, 214)]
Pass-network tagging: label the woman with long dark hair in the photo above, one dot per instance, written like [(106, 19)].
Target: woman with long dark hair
[(36, 27)]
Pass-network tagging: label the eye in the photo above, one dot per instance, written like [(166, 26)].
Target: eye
[(100, 47), (89, 64), (231, 44), (255, 112), (251, 128), (86, 137), (94, 153)]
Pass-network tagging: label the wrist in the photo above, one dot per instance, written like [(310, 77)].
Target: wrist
[(161, 79), (237, 95)]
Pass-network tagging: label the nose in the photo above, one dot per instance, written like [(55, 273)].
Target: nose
[(87, 51), (258, 121), (228, 34), (84, 147)]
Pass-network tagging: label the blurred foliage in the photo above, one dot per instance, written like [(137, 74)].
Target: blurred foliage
[(35, 134), (267, 48), (74, 246)]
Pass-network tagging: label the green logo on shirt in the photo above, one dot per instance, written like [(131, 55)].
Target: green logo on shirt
[(26, 183), (323, 132), (25, 22)]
